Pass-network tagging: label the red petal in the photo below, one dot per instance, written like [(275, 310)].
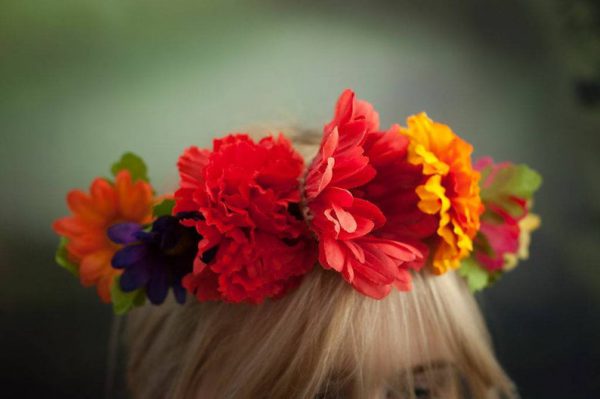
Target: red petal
[(366, 287), (334, 254)]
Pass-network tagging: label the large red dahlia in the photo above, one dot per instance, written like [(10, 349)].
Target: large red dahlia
[(255, 243), (347, 186)]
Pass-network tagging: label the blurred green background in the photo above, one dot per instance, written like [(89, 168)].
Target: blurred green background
[(83, 81)]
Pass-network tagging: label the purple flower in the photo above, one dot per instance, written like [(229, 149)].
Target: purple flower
[(155, 257)]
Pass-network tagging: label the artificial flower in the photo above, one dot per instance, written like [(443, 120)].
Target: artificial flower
[(265, 267), (348, 224), (249, 198), (507, 223), (394, 191), (88, 247), (155, 259), (450, 191)]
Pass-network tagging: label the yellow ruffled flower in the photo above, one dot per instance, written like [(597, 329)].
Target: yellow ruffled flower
[(450, 191)]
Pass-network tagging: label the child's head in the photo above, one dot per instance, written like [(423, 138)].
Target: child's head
[(336, 280), (323, 340)]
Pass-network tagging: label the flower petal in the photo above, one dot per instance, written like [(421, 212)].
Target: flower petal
[(124, 233), (334, 255), (134, 277), (128, 256), (157, 288)]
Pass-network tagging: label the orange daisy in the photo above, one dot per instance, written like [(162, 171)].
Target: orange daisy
[(88, 246), (451, 190)]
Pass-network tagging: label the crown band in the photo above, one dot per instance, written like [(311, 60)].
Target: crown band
[(249, 219)]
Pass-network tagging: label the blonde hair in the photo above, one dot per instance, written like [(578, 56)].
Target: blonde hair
[(323, 340)]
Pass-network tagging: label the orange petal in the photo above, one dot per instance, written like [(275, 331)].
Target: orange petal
[(88, 242), (103, 286), (69, 226), (83, 207), (94, 266), (134, 199), (104, 198), (143, 210)]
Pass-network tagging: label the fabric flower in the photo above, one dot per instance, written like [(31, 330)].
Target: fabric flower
[(88, 246), (249, 198), (348, 224), (156, 259), (507, 223), (394, 191), (451, 190)]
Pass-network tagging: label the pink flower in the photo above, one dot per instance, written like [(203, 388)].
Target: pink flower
[(501, 232), (506, 190)]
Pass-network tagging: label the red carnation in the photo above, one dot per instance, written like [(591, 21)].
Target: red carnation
[(356, 170), (255, 244)]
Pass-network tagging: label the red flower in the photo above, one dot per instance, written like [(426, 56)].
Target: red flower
[(342, 193), (255, 244), (393, 190)]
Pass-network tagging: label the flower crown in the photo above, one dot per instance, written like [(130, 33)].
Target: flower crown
[(248, 220)]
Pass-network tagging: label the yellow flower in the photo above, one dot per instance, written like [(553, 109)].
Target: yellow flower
[(451, 190)]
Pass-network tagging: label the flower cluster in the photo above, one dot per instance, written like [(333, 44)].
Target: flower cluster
[(383, 202), (248, 220), (87, 250), (249, 197)]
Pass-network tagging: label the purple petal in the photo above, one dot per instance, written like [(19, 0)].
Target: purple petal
[(179, 292), (169, 241), (134, 277), (128, 256), (124, 233), (157, 288)]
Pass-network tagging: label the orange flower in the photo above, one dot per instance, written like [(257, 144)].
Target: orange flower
[(88, 245), (451, 190)]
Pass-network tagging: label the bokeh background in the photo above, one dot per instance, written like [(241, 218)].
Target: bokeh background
[(83, 81)]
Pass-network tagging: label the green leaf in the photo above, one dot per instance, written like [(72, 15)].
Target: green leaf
[(62, 257), (123, 302), (165, 208), (515, 180), (485, 172), (134, 164), (482, 244), (477, 277), (512, 181)]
